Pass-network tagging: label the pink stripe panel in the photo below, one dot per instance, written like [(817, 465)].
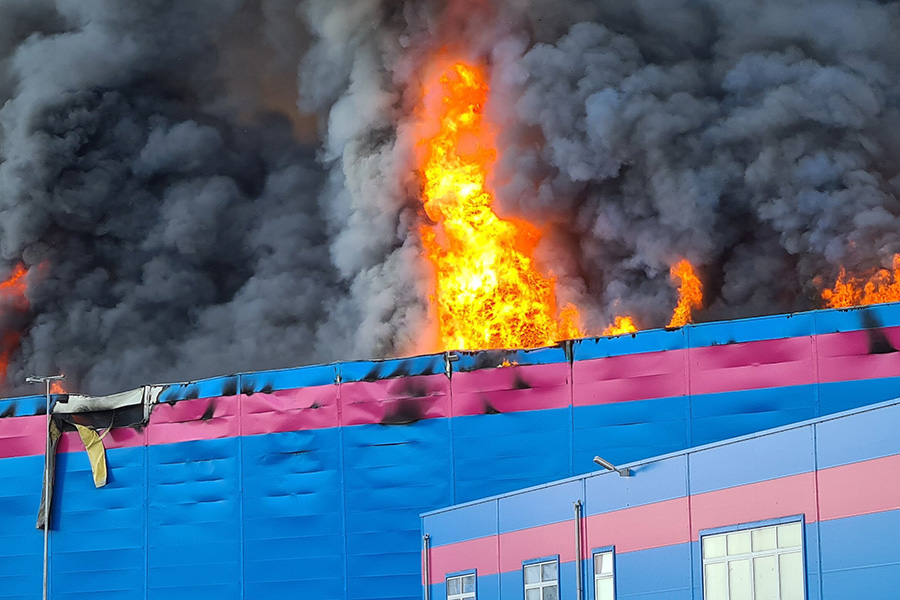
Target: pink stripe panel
[(860, 488), (846, 356), (290, 410), (480, 553), (422, 397), (752, 365), (754, 502), (117, 438), (525, 544), (23, 436), (183, 422), (629, 377), (640, 527), (511, 389)]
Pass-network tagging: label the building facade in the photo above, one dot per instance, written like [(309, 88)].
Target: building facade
[(804, 511), (309, 482)]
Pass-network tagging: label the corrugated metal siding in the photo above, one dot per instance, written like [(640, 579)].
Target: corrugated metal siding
[(309, 481)]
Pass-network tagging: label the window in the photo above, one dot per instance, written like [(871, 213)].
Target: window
[(604, 576), (461, 587), (762, 563), (542, 580)]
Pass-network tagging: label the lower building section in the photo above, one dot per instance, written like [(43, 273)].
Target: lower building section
[(809, 511)]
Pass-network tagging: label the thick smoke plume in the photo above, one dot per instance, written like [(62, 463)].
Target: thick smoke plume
[(213, 186)]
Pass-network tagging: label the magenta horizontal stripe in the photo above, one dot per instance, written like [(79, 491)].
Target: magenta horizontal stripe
[(480, 553), (752, 365), (859, 488), (849, 490), (511, 389), (395, 400), (290, 410), (202, 419), (629, 377), (525, 544), (848, 356), (23, 436)]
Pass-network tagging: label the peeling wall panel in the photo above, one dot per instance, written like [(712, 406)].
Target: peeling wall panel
[(21, 547), (292, 515), (496, 453), (194, 520), (392, 473), (98, 539)]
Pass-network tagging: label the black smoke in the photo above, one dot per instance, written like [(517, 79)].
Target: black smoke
[(213, 186)]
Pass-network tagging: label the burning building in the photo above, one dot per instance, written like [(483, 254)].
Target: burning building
[(310, 481)]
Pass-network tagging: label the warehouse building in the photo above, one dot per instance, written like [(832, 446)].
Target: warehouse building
[(310, 482), (805, 511)]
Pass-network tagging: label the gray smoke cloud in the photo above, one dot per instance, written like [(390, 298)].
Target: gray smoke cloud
[(214, 186)]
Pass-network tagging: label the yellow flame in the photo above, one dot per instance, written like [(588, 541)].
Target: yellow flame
[(690, 292), (883, 286), (621, 325), (488, 292)]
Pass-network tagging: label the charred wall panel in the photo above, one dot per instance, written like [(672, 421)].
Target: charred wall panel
[(292, 485), (513, 420), (395, 467)]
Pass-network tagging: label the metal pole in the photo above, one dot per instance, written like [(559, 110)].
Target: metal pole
[(46, 380), (426, 566), (47, 492), (579, 591)]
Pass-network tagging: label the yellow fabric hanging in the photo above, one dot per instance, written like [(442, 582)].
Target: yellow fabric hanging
[(93, 443)]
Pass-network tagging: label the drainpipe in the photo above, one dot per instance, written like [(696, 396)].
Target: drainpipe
[(426, 565), (579, 590)]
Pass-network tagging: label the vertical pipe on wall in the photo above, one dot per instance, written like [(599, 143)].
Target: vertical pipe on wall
[(579, 552), (426, 566)]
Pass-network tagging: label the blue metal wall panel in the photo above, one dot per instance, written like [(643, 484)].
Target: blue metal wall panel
[(847, 395), (194, 520), (653, 482), (285, 379), (861, 436), (739, 331), (861, 556), (652, 340), (854, 319), (21, 546), (629, 431), (27, 405), (98, 537), (542, 506), (716, 417), (292, 514), (663, 573), (485, 359), (370, 370), (464, 523), (751, 460), (392, 473), (202, 388), (498, 453)]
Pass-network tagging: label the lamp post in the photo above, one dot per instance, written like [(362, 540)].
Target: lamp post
[(46, 380)]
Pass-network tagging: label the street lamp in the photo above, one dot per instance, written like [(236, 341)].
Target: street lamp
[(47, 380)]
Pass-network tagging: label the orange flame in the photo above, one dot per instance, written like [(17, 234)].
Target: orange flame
[(57, 387), (488, 291), (690, 292), (883, 286), (621, 325), (12, 301)]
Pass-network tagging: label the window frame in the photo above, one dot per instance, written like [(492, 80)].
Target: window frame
[(603, 550), (460, 575), (542, 584), (754, 525)]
